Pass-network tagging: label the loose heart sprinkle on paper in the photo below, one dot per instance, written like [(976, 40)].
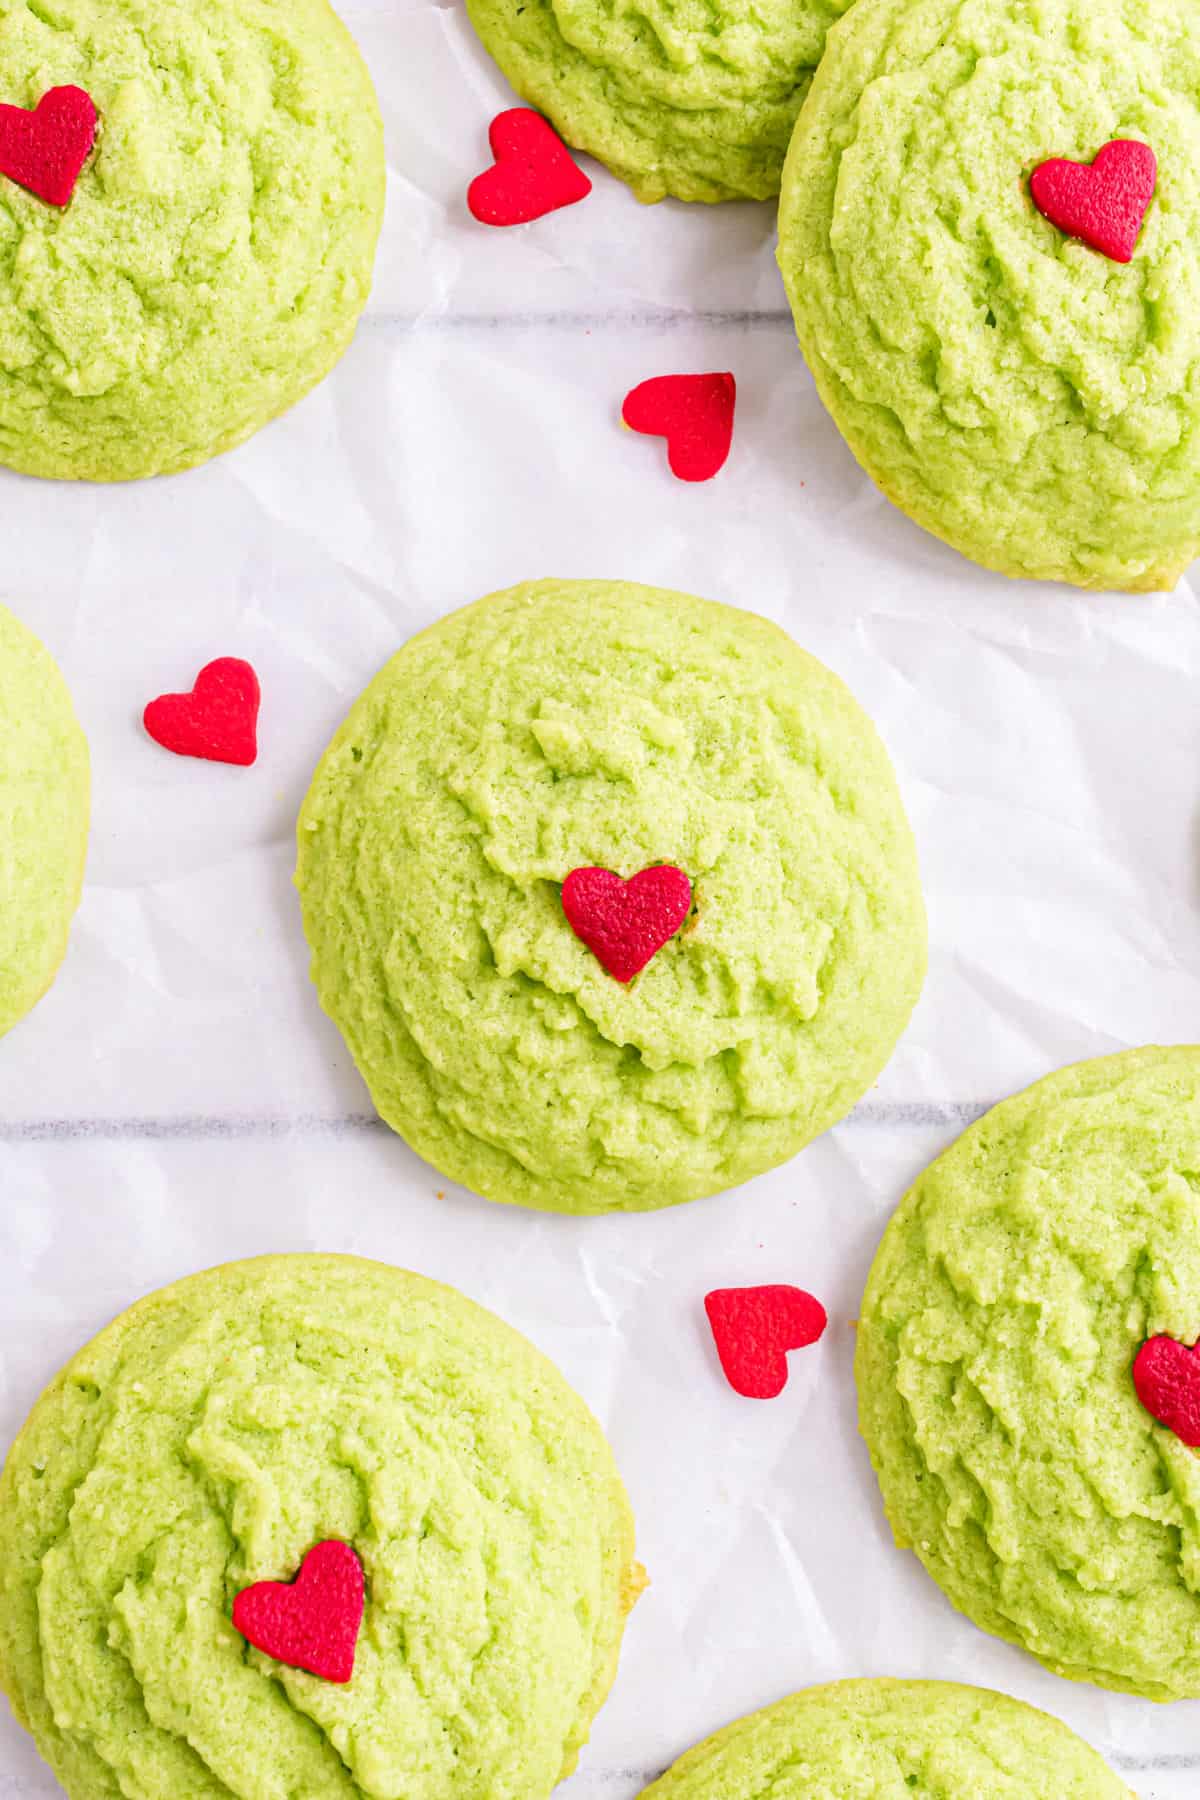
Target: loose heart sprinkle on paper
[(218, 720), (1103, 202), (695, 415), (1166, 1375), (625, 923), (44, 150), (754, 1328), (313, 1622), (533, 174)]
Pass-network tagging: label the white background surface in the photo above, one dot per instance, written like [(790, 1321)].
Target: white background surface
[(179, 1100)]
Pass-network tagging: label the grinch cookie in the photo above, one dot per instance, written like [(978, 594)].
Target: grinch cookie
[(311, 1525), (45, 800), (611, 892), (892, 1740), (213, 257), (676, 100), (1021, 392), (1010, 1299)]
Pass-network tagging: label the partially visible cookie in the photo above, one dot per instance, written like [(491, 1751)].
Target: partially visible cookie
[(612, 894), (216, 1434), (1008, 1303), (1017, 391), (698, 102), (45, 800), (892, 1740), (216, 253)]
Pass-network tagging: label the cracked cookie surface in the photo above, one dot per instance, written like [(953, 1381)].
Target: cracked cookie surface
[(892, 1740), (570, 724), (216, 254), (1017, 393), (1009, 1297), (695, 98), (207, 1439), (45, 803)]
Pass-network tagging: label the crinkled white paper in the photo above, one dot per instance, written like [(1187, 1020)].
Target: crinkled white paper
[(178, 1100)]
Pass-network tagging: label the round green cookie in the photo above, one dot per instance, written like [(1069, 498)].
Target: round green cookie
[(45, 800), (207, 1440), (581, 724), (1010, 1296), (1027, 399), (892, 1740), (218, 249), (677, 98)]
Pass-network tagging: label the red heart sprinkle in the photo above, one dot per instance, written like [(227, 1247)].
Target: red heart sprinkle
[(1166, 1375), (45, 149), (754, 1328), (695, 415), (533, 174), (216, 721), (313, 1622), (625, 923), (1103, 202)]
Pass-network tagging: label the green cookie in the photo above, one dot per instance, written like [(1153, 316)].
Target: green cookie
[(676, 97), (207, 1440), (218, 249), (45, 797), (1027, 399), (892, 1740), (1009, 1298), (582, 724)]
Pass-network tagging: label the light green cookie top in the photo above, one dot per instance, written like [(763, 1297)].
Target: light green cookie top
[(576, 724), (218, 249), (45, 800), (207, 1440), (1019, 394), (892, 1740), (1010, 1295), (677, 97)]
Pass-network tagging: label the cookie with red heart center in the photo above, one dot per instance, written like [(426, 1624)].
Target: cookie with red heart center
[(44, 150), (695, 415), (217, 721), (1005, 1313), (198, 1486), (755, 1327), (222, 170), (313, 1622), (611, 894), (626, 923), (533, 174), (1104, 202)]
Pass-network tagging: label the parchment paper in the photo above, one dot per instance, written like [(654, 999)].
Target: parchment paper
[(178, 1100)]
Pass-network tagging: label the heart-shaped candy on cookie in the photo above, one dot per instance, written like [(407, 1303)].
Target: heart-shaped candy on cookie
[(313, 1622), (1166, 1375), (626, 923), (533, 174), (1103, 202), (217, 721), (755, 1327), (44, 150), (695, 415)]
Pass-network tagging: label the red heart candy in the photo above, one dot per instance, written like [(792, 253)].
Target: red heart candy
[(625, 923), (533, 173), (1102, 202), (754, 1328), (313, 1622), (1166, 1375), (695, 415), (216, 721), (45, 149)]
